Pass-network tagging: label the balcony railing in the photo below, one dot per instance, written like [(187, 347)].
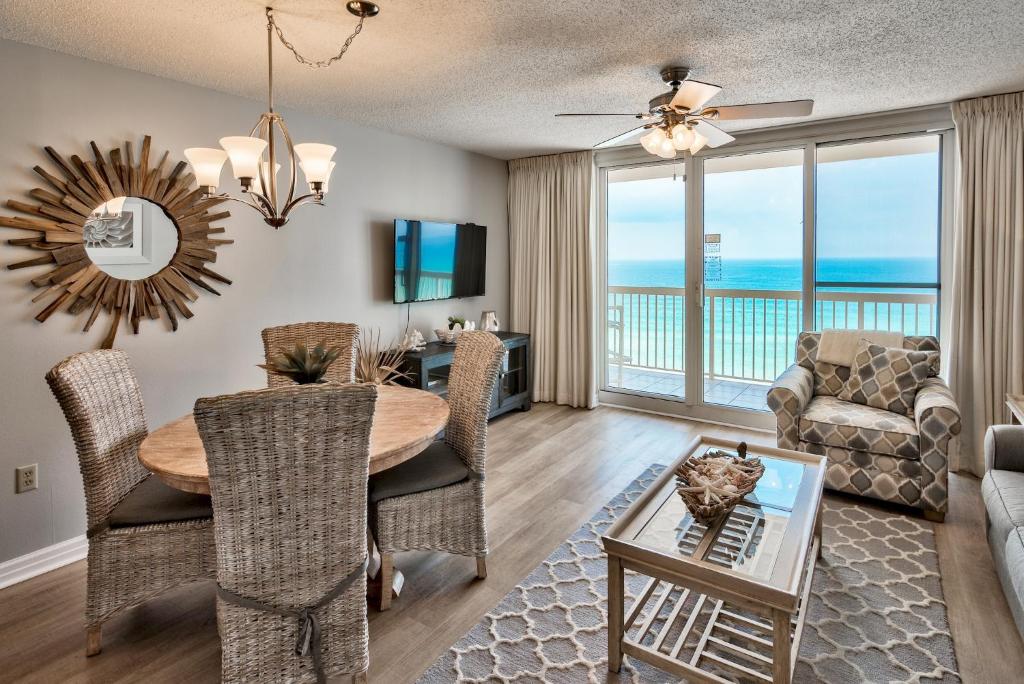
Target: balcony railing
[(429, 285), (748, 334)]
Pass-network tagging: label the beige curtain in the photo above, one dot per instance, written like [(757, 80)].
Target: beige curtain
[(551, 272), (987, 354)]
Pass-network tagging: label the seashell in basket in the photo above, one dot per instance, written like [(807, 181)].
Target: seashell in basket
[(713, 484)]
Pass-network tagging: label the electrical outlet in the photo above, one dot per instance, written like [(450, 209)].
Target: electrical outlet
[(26, 478)]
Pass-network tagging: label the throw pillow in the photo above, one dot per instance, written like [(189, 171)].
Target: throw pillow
[(886, 378)]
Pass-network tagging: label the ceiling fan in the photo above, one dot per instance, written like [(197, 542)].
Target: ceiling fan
[(678, 120)]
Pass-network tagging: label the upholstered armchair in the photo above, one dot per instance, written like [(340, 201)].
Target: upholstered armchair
[(871, 451)]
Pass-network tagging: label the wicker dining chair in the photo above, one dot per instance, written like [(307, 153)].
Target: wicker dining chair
[(435, 501), (288, 475), (344, 335), (144, 536)]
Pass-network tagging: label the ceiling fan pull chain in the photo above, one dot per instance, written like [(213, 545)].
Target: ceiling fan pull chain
[(314, 64)]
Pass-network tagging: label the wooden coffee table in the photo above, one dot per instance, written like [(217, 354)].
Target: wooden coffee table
[(724, 600)]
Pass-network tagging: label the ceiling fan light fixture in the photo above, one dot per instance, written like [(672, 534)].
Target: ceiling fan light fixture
[(698, 143), (682, 136), (652, 141), (666, 148)]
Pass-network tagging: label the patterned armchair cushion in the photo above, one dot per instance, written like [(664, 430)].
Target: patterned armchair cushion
[(886, 378), (787, 398), (830, 379), (833, 422)]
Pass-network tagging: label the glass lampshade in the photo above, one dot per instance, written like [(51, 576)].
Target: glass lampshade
[(699, 141), (245, 153), (666, 150), (266, 176), (682, 136), (207, 163), (652, 141), (315, 160), (326, 183)]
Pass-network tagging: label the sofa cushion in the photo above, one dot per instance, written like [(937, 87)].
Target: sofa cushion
[(886, 378), (834, 422), (152, 501), (1011, 575), (1003, 493), (437, 466)]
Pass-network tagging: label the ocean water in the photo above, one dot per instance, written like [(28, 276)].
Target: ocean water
[(753, 337), (777, 274)]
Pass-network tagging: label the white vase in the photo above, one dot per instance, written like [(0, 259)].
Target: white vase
[(489, 321)]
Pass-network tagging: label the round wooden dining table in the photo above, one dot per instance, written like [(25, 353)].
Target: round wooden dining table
[(405, 422)]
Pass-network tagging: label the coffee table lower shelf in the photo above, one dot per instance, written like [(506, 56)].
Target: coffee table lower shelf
[(694, 634)]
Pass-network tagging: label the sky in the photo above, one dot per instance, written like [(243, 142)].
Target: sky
[(866, 208)]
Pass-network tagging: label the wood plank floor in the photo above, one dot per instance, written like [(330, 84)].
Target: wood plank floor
[(548, 471)]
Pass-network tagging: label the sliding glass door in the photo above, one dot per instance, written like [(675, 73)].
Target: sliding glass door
[(714, 265), (646, 277), (753, 269)]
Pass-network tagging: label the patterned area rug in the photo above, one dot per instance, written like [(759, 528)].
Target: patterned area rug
[(876, 614)]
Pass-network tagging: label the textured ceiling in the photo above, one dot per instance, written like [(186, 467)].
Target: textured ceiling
[(487, 75)]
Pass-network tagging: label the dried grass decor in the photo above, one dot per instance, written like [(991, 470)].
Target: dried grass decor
[(376, 362), (714, 483)]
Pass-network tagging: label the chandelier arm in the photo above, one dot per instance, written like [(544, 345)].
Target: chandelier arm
[(314, 64), (267, 207), (247, 203), (308, 198)]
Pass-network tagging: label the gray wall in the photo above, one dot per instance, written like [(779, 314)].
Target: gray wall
[(328, 263)]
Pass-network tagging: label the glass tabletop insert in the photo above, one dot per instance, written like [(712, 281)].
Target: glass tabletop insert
[(748, 540)]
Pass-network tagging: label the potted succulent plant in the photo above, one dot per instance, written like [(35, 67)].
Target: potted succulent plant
[(303, 365)]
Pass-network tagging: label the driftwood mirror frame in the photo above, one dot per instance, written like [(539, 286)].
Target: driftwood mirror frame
[(73, 282)]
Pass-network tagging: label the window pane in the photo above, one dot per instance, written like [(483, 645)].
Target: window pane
[(877, 215), (646, 279), (877, 224)]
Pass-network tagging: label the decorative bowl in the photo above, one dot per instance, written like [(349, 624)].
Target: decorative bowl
[(713, 484), (445, 336)]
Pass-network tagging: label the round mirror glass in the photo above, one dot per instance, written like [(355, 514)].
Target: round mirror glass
[(130, 238)]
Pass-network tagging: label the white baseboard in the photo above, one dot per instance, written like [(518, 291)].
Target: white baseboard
[(44, 560)]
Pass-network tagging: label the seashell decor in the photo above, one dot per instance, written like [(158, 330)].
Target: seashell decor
[(713, 484)]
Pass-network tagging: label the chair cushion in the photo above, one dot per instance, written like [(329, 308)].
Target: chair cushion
[(834, 422), (152, 501), (1003, 494), (886, 378), (437, 466)]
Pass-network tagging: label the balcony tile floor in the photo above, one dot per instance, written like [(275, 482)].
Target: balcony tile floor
[(732, 393)]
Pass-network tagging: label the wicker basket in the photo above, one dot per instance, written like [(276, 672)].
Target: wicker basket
[(740, 481)]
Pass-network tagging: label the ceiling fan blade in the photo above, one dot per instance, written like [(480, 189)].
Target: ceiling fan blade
[(637, 116), (622, 137), (692, 95), (765, 110), (715, 135)]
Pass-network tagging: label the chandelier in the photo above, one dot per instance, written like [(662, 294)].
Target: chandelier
[(254, 158)]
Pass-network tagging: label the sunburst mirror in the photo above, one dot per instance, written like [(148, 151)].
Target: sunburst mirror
[(119, 236)]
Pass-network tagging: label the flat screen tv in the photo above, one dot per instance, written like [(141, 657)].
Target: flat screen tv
[(438, 260)]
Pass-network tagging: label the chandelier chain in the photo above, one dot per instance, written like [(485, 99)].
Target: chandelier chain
[(311, 63)]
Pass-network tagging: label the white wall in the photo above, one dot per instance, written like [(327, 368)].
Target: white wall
[(328, 263)]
